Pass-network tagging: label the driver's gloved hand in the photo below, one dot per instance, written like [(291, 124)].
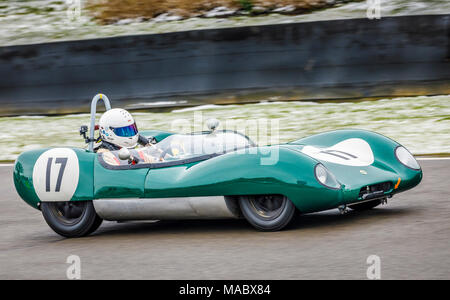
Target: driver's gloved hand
[(143, 140)]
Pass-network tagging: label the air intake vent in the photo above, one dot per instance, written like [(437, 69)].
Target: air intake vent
[(375, 190)]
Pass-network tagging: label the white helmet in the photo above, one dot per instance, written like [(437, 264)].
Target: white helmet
[(118, 127)]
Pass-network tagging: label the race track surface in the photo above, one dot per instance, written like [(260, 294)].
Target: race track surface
[(411, 235)]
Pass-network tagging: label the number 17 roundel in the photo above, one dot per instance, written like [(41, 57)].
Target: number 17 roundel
[(56, 174)]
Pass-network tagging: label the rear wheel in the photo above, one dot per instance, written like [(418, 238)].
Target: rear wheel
[(365, 205), (71, 219), (267, 212)]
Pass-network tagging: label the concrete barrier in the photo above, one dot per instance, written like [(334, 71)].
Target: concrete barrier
[(354, 58)]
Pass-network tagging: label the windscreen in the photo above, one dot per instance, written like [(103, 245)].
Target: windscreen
[(181, 148), (203, 144)]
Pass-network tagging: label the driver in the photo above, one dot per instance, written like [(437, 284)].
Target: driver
[(117, 130)]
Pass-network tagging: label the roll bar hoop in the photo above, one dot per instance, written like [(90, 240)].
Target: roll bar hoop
[(83, 129)]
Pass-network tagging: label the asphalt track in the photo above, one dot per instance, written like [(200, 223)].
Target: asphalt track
[(411, 235)]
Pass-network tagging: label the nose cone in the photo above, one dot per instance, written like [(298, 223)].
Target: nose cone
[(409, 179), (23, 177), (354, 178)]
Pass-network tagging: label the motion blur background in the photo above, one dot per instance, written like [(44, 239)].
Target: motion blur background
[(419, 118)]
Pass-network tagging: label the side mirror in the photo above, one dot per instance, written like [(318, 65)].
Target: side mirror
[(83, 131), (124, 154)]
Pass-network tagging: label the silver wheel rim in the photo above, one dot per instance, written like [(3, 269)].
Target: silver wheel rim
[(69, 213), (268, 207)]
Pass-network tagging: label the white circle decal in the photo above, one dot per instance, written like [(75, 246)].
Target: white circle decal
[(56, 174), (350, 152)]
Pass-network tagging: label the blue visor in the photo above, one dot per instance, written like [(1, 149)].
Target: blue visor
[(126, 131)]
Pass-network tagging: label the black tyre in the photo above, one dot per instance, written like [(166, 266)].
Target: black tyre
[(267, 212), (71, 219), (365, 205)]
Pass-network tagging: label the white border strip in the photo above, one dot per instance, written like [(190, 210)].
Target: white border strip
[(433, 158), (6, 165)]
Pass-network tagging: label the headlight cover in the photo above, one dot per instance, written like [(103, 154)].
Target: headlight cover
[(406, 158), (325, 177)]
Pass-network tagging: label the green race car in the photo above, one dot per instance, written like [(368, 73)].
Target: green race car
[(213, 174)]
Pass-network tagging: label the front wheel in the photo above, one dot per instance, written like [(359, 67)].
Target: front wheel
[(71, 219), (267, 212)]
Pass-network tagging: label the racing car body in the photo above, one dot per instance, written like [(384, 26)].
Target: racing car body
[(213, 174)]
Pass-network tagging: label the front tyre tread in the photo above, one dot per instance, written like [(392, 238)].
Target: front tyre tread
[(280, 221), (86, 224)]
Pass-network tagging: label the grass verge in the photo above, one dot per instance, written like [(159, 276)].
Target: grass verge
[(111, 11)]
